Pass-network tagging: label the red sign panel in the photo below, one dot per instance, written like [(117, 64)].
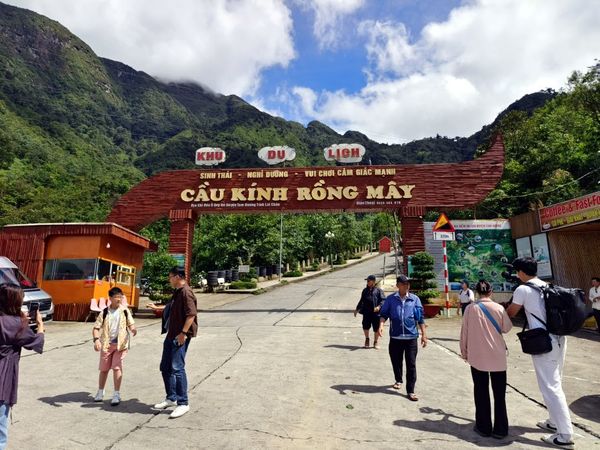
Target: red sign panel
[(579, 210), (385, 245)]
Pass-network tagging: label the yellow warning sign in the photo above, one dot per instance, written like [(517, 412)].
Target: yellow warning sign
[(443, 224)]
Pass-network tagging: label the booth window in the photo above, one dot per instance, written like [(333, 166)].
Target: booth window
[(125, 275), (70, 269), (104, 270), (49, 269)]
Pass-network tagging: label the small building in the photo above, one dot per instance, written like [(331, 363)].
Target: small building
[(76, 262), (564, 238)]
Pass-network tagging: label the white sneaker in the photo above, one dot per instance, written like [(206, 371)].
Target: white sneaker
[(99, 395), (179, 411), (166, 404), (547, 425), (553, 440), (116, 399)]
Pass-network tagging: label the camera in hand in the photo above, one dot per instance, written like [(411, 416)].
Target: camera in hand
[(33, 309), (510, 274)]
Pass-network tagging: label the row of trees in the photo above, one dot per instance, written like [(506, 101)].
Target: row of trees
[(225, 241)]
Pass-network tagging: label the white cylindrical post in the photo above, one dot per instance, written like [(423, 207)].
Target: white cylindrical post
[(280, 246), (446, 279)]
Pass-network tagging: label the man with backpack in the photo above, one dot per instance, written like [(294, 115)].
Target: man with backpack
[(111, 339), (548, 366)]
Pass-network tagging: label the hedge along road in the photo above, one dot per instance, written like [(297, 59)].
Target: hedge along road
[(284, 369)]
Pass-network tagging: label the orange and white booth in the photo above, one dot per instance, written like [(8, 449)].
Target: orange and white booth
[(78, 263)]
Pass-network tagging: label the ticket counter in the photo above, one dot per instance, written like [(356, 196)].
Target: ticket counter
[(75, 263)]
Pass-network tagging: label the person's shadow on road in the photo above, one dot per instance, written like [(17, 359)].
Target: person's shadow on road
[(344, 389), (352, 348), (86, 400), (587, 407), (462, 428)]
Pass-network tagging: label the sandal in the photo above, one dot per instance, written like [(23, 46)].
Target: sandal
[(376, 345), (367, 343), (397, 386), (413, 397)]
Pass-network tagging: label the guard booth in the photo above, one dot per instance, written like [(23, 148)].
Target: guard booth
[(77, 262)]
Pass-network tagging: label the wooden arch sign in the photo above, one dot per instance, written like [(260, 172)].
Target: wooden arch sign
[(411, 189)]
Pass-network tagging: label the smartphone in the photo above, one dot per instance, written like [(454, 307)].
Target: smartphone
[(33, 309)]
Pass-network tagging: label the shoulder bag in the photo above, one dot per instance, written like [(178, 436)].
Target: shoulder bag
[(535, 341)]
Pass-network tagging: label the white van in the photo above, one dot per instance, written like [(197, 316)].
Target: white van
[(10, 273)]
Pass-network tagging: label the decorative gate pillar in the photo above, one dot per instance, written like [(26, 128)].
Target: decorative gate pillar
[(413, 238), (182, 235)]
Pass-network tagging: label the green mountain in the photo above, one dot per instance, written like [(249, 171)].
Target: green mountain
[(77, 131)]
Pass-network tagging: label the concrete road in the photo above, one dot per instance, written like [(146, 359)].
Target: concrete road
[(285, 369)]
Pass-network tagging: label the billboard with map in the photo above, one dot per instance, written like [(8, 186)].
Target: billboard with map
[(480, 250)]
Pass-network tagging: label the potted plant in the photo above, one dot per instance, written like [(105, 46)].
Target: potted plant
[(423, 283)]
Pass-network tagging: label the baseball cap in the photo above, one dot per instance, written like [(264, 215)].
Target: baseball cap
[(371, 278), (402, 279)]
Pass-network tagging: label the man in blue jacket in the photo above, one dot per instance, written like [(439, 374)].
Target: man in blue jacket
[(406, 314)]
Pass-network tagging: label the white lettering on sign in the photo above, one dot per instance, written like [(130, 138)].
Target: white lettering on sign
[(276, 155), (344, 153), (208, 156)]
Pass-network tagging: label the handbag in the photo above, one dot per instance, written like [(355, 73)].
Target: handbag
[(535, 341)]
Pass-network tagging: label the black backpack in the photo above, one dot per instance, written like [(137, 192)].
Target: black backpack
[(565, 308)]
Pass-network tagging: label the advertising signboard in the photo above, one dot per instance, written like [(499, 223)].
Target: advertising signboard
[(480, 250), (572, 212), (523, 247), (541, 253)]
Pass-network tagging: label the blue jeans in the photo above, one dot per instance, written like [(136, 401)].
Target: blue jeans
[(4, 411), (172, 367)]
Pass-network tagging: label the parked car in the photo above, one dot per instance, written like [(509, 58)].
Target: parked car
[(10, 273)]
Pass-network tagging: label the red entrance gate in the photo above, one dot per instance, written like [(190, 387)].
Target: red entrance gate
[(181, 195)]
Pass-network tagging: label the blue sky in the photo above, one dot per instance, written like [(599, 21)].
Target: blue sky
[(395, 70), (341, 67)]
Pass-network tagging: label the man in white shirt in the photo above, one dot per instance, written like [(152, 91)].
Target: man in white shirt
[(548, 366), (594, 297)]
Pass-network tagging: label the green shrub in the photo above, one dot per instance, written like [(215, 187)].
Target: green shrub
[(355, 256), (248, 276), (292, 273), (422, 277), (313, 267), (243, 285)]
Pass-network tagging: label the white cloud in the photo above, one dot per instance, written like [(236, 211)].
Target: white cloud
[(388, 46), (222, 44), (329, 15), (459, 74)]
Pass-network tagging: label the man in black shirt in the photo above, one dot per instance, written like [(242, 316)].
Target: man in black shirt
[(369, 305)]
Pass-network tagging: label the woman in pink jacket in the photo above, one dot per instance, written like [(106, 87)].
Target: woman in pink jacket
[(483, 347)]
